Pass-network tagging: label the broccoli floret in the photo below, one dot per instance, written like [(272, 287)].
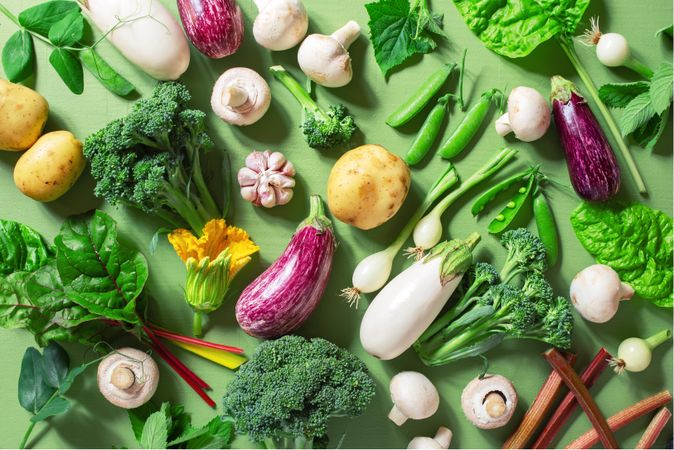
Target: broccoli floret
[(537, 287), (285, 395), (526, 253), (150, 159), (322, 129)]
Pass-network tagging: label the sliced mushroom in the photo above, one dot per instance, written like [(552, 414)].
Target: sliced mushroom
[(128, 377), (240, 96), (280, 24), (326, 59), (414, 397), (442, 439), (489, 402)]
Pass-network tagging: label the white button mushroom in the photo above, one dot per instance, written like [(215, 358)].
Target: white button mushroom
[(528, 115), (280, 24), (442, 439), (414, 397), (128, 377), (326, 59), (489, 402), (240, 96), (596, 293)]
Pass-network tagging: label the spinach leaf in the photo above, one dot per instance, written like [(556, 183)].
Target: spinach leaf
[(21, 248), (619, 95), (40, 18), (514, 28), (18, 56), (635, 240)]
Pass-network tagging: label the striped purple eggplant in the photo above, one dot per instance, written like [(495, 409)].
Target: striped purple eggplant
[(284, 296), (215, 27), (593, 168)]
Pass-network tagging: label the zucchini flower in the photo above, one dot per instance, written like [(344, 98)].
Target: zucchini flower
[(212, 261)]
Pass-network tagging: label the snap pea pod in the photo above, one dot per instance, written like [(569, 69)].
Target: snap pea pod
[(512, 208), (491, 194), (547, 228), (428, 132), (469, 126), (416, 102)]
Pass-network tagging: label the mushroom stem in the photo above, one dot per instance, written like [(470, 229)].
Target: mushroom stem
[(234, 96), (443, 437), (494, 404), (347, 34), (503, 125), (625, 292), (397, 416), (261, 4), (122, 378)]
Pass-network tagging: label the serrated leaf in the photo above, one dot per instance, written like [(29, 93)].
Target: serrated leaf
[(636, 113), (661, 88), (55, 364), (33, 391), (103, 72), (648, 135), (58, 405), (40, 18), (155, 431), (618, 95), (68, 30), (18, 56), (68, 68)]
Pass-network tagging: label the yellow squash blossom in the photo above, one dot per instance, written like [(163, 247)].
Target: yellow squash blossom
[(212, 261)]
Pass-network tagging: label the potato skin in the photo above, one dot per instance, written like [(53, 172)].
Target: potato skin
[(50, 167), (23, 114), (367, 186)]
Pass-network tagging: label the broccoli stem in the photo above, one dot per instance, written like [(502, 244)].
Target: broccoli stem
[(211, 208), (295, 88), (185, 209)]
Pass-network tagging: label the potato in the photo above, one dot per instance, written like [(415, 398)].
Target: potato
[(367, 186), (50, 167), (23, 113)]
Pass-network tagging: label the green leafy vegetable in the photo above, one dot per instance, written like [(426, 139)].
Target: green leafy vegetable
[(18, 56), (667, 31), (69, 68), (40, 18), (155, 431), (104, 73), (21, 248), (661, 88), (619, 95), (400, 29), (68, 30), (637, 112), (635, 240)]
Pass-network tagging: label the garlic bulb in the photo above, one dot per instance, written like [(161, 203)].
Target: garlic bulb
[(267, 180)]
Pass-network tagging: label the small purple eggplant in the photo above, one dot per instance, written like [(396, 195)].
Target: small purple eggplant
[(215, 27), (593, 168), (284, 296)]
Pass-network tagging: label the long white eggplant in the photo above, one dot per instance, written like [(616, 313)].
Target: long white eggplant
[(407, 305)]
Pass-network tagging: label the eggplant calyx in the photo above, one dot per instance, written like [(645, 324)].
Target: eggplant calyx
[(562, 89), (317, 218)]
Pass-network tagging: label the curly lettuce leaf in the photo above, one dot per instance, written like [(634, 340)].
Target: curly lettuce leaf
[(514, 28)]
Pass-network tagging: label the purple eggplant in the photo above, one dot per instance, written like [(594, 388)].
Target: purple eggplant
[(215, 27), (593, 168), (284, 296)]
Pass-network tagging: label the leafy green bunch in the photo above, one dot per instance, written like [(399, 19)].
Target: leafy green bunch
[(517, 303), (61, 25)]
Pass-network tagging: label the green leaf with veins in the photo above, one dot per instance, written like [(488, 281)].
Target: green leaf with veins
[(661, 88), (619, 95), (104, 73), (40, 18), (18, 56), (155, 431), (69, 68), (33, 391), (57, 405), (21, 248), (68, 30), (55, 364), (637, 113), (648, 135)]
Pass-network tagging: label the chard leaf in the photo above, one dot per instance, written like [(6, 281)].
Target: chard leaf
[(18, 56), (40, 18), (33, 391), (637, 113), (16, 309), (514, 28), (661, 88), (21, 248), (618, 95)]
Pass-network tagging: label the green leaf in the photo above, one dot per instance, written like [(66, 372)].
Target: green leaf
[(18, 56), (57, 405), (99, 273), (666, 31), (618, 95), (69, 379), (514, 28), (661, 88), (155, 431), (55, 364), (42, 17), (216, 434), (21, 248), (33, 390), (104, 73), (68, 30), (648, 135), (138, 417), (69, 69), (637, 113), (16, 309)]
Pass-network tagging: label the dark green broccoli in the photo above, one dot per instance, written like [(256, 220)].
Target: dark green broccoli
[(526, 253), (150, 159), (321, 129), (284, 396), (536, 286)]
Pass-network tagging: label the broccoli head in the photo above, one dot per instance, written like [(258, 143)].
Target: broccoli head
[(537, 287), (526, 253), (290, 388)]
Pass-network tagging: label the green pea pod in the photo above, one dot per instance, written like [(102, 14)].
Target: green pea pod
[(428, 132), (491, 194), (547, 227), (514, 206), (468, 127), (416, 102), (104, 73)]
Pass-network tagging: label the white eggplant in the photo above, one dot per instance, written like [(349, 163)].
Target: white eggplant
[(407, 305)]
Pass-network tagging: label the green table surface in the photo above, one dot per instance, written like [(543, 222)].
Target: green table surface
[(96, 423)]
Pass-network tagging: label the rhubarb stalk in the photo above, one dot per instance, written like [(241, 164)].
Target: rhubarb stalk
[(575, 385), (545, 400), (654, 429), (624, 417), (191, 340), (561, 415)]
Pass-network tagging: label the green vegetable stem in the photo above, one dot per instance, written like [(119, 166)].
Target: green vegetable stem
[(428, 132)]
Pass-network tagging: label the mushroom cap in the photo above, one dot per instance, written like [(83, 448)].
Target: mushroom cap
[(528, 113), (442, 439), (414, 395), (325, 60), (474, 394), (128, 377), (281, 24), (596, 292), (255, 105)]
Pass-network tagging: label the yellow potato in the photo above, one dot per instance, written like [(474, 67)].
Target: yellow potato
[(23, 113), (50, 167), (367, 186)]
